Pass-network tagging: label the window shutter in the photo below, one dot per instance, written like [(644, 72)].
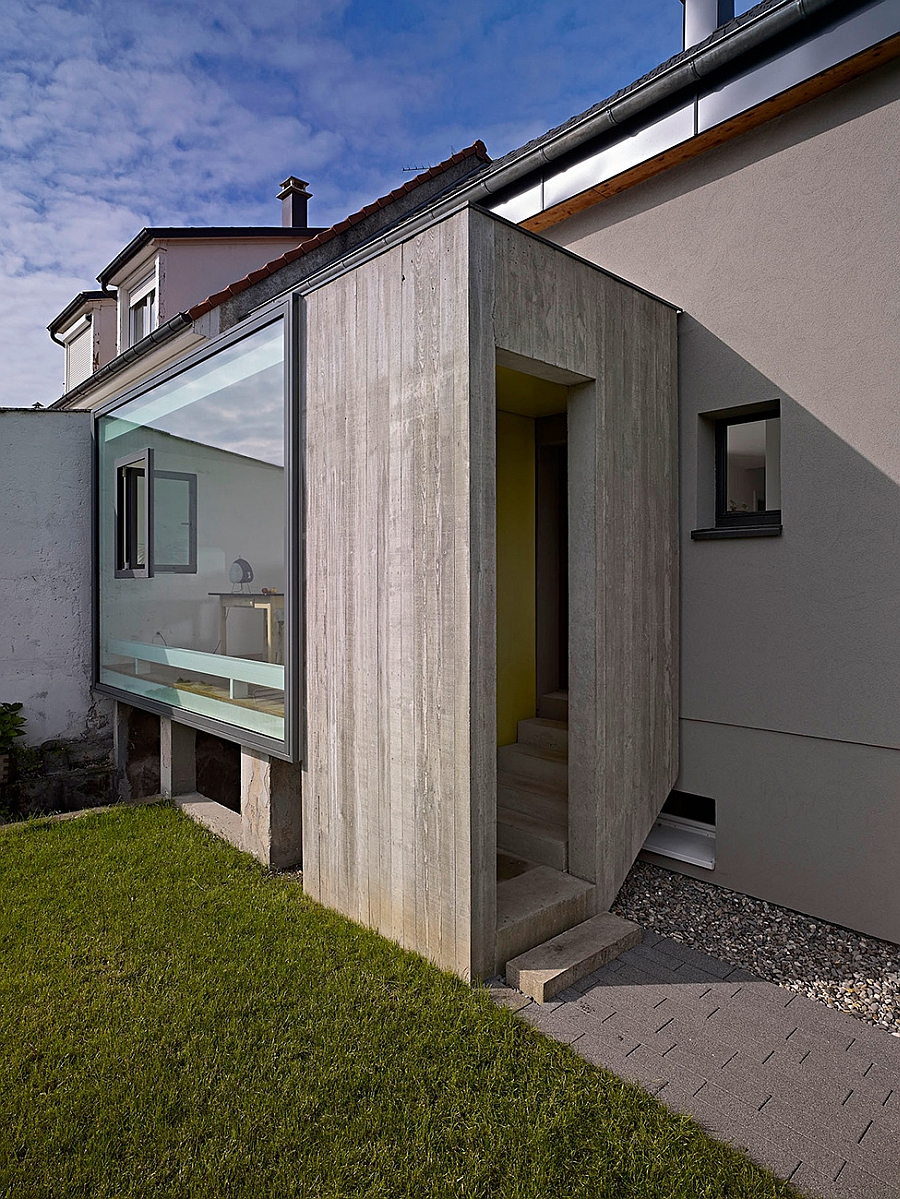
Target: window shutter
[(79, 357)]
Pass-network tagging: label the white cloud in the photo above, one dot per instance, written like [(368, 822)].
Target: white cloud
[(115, 115)]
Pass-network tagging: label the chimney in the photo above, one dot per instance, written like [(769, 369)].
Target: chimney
[(294, 200), (703, 17)]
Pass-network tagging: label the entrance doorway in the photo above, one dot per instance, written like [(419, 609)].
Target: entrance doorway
[(532, 622)]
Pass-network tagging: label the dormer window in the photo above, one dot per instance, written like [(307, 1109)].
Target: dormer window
[(79, 343), (142, 310)]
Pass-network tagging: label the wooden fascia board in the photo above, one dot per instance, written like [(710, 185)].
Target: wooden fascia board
[(802, 93)]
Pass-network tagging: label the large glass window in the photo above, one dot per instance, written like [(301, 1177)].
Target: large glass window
[(192, 513)]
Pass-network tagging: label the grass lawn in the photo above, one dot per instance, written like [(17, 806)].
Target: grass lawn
[(175, 1021)]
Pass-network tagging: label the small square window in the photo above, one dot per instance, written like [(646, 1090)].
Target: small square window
[(133, 517), (748, 470)]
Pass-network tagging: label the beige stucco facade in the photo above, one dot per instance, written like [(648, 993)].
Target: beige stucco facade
[(782, 248)]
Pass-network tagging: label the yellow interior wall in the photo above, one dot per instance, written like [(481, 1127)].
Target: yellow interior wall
[(515, 574)]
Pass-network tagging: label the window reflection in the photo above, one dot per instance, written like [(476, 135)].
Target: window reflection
[(752, 466), (189, 636)]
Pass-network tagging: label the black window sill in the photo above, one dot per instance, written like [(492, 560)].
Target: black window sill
[(736, 531)]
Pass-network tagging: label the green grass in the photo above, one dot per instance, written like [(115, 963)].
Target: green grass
[(174, 1021)]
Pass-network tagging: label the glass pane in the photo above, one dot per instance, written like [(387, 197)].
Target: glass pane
[(138, 507), (173, 520), (752, 466), (193, 639)]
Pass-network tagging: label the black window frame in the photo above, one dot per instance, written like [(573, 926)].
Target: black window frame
[(126, 525), (724, 519), (181, 568)]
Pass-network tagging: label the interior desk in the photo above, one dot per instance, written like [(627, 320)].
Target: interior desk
[(271, 605)]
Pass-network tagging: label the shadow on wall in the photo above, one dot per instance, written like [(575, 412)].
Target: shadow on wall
[(790, 655), (795, 633)]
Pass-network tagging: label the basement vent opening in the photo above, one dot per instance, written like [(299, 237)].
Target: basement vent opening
[(685, 830)]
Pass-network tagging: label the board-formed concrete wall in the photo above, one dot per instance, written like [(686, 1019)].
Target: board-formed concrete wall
[(782, 247), (616, 347), (45, 572), (388, 830), (399, 786)]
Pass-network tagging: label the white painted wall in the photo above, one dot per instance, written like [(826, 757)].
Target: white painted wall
[(45, 562)]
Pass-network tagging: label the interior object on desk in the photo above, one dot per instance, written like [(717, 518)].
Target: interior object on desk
[(240, 571)]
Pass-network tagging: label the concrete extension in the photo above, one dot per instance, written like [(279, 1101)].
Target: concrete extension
[(565, 959), (808, 1092)]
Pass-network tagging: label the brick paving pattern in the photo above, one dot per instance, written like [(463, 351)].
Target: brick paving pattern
[(808, 1092)]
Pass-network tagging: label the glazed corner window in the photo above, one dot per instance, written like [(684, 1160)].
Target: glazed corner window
[(142, 311), (748, 470), (133, 523)]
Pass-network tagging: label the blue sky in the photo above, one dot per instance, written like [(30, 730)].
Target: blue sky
[(116, 115)]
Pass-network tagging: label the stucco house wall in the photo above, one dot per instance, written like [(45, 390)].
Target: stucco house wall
[(782, 248), (45, 573)]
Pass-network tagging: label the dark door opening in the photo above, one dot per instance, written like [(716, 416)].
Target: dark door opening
[(552, 557)]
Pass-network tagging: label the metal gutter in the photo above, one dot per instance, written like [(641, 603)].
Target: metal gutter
[(722, 49), (83, 298), (160, 335)]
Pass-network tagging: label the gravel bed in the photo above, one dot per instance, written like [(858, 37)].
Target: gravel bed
[(843, 969)]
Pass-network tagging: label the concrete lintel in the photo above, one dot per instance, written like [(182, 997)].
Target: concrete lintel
[(558, 963)]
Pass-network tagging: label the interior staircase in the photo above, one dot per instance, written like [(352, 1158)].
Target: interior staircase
[(533, 787)]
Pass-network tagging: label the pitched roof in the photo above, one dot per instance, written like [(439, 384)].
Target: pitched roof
[(182, 320), (476, 150)]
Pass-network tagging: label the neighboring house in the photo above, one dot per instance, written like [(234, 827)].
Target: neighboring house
[(620, 499), (148, 287)]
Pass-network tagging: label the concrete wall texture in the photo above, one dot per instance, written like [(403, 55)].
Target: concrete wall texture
[(45, 572), (782, 248)]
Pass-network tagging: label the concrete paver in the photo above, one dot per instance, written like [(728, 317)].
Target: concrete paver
[(808, 1092)]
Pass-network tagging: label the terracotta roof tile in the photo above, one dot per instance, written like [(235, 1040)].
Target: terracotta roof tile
[(476, 150)]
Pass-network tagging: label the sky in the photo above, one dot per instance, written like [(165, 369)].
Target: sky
[(118, 114)]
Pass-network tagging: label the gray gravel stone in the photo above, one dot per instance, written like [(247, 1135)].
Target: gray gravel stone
[(845, 970)]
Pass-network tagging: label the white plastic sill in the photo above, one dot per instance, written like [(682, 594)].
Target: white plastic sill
[(683, 840)]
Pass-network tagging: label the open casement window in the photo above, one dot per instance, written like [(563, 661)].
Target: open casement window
[(748, 470), (134, 516), (174, 522)]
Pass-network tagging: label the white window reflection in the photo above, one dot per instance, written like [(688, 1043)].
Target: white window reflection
[(190, 636)]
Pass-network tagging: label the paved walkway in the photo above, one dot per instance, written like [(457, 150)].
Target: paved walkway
[(808, 1092)]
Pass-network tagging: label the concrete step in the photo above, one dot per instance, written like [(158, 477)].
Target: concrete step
[(533, 764), (554, 705), (548, 734), (565, 958), (540, 803), (539, 904), (535, 840)]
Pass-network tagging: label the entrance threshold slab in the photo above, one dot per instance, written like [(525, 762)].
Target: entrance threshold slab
[(550, 968)]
